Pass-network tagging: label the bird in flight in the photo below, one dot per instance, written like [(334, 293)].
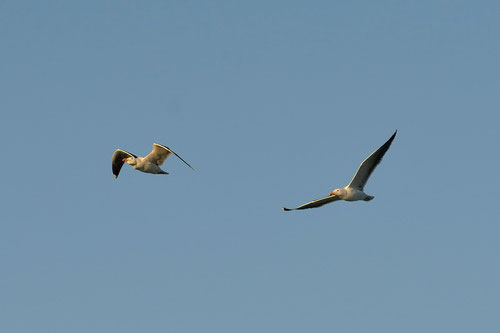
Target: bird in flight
[(149, 164), (353, 191)]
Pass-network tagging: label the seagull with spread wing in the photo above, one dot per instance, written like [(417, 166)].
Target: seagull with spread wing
[(353, 191), (149, 164)]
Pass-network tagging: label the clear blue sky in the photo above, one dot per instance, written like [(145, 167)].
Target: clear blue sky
[(273, 103)]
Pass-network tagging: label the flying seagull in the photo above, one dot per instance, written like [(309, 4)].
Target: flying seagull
[(149, 164), (353, 191)]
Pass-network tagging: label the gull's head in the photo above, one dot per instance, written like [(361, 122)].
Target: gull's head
[(340, 192), (129, 160)]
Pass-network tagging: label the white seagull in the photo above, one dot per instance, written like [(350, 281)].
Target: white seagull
[(353, 191), (149, 164)]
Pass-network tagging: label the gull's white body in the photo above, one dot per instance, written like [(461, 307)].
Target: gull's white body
[(141, 164), (349, 193)]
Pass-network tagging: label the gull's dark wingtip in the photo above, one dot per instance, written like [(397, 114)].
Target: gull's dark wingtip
[(388, 143), (286, 209), (392, 137)]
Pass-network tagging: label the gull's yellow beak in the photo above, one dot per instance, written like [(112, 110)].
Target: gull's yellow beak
[(331, 193), (124, 159)]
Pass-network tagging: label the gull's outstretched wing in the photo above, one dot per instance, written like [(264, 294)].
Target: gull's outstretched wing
[(117, 160), (160, 153), (315, 203), (366, 168)]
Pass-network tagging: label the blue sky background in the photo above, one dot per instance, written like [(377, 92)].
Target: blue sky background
[(273, 103)]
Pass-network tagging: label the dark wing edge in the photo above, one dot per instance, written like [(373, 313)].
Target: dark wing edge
[(173, 152), (117, 160), (314, 204), (370, 163)]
